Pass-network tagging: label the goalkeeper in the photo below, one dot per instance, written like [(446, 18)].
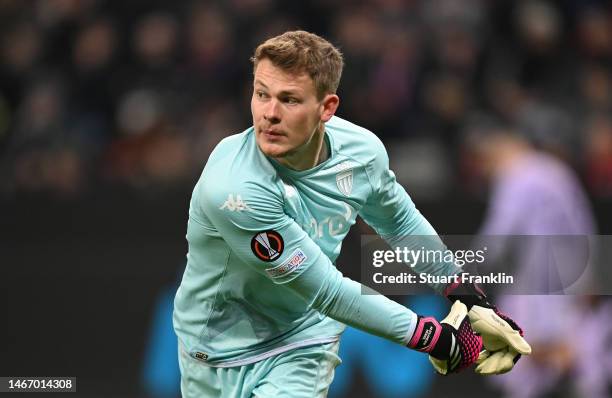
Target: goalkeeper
[(261, 306)]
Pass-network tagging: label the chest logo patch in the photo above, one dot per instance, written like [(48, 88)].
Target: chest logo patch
[(344, 178), (237, 204), (267, 245)]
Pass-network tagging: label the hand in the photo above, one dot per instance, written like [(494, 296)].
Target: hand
[(502, 337), (498, 362), (452, 344)]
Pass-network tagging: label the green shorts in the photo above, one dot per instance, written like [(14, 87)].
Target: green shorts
[(304, 372)]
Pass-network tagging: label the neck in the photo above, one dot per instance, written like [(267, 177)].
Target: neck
[(310, 155)]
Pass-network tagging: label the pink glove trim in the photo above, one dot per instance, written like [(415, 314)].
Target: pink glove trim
[(418, 332)]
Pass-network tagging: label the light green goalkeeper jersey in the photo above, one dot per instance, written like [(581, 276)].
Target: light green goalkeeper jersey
[(260, 276)]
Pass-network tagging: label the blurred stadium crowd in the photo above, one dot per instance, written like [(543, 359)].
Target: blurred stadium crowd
[(137, 93)]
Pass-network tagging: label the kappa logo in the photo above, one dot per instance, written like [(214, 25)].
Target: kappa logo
[(344, 178), (267, 245), (232, 204)]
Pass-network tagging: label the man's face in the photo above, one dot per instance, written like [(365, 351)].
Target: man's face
[(286, 111)]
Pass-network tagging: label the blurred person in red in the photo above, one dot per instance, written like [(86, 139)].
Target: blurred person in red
[(598, 155)]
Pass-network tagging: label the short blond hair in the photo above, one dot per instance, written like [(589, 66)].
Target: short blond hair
[(299, 51)]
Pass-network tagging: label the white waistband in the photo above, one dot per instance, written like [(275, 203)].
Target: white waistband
[(262, 356)]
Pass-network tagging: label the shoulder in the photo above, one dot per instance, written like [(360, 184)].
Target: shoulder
[(360, 145), (229, 147), (249, 204), (349, 133), (236, 176), (354, 141), (237, 161)]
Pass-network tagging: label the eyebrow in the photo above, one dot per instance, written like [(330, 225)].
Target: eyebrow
[(284, 92), (257, 81)]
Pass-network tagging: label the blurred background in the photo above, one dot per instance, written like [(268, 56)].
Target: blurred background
[(109, 109)]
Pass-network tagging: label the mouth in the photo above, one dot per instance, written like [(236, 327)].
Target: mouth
[(272, 134)]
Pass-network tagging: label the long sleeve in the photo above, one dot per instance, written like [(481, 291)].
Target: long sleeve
[(266, 239)]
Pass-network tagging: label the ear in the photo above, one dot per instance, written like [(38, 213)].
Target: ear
[(330, 104)]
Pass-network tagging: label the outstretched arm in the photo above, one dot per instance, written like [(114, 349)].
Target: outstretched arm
[(298, 263)]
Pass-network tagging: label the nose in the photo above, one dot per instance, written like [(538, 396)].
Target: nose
[(272, 112)]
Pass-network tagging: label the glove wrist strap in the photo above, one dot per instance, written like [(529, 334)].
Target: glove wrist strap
[(426, 334), (432, 337)]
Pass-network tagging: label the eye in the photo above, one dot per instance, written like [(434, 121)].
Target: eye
[(292, 101), (260, 94)]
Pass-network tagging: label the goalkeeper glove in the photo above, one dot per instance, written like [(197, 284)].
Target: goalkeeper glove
[(451, 344), (502, 337), (498, 362)]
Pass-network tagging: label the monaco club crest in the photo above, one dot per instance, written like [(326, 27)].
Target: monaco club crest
[(344, 178)]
